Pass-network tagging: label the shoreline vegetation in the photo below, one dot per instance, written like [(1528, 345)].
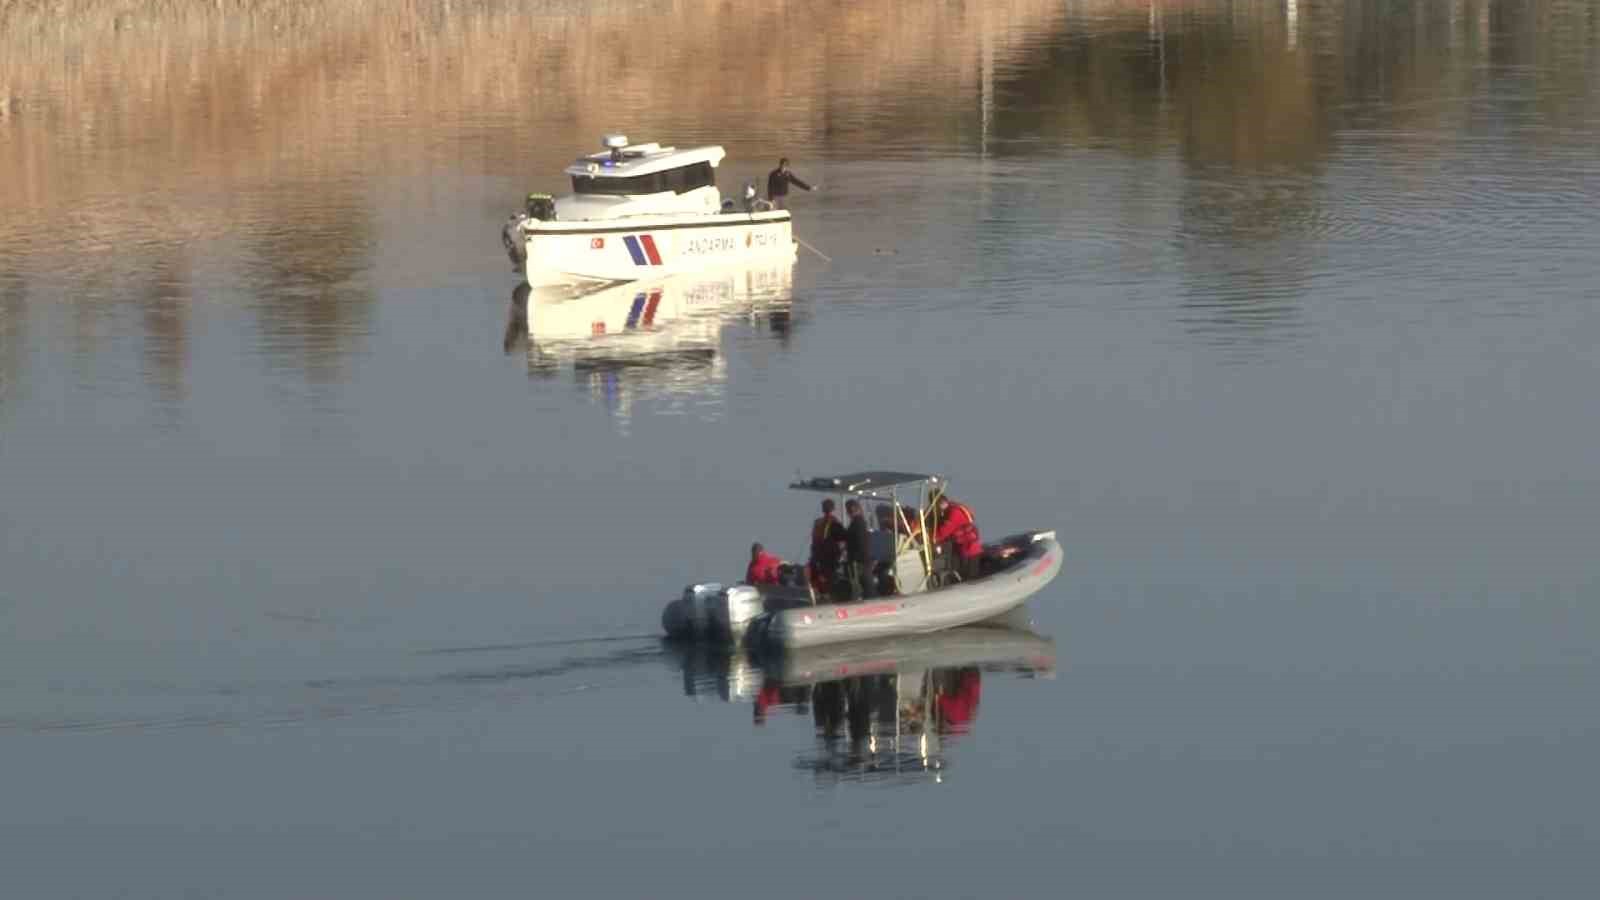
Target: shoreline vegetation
[(136, 135), (161, 116), (118, 98)]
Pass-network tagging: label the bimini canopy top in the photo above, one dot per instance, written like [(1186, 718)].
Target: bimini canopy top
[(876, 485)]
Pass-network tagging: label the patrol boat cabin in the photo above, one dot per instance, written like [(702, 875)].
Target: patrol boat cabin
[(642, 211)]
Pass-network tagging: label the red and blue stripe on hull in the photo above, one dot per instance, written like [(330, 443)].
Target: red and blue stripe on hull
[(642, 249)]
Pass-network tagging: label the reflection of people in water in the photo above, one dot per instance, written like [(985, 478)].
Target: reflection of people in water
[(827, 709), (949, 696), (775, 694), (892, 710), (849, 707), (956, 699)]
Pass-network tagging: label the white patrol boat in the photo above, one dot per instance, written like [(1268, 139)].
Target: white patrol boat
[(642, 211)]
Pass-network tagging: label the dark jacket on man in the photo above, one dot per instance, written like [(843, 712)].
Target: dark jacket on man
[(778, 181), (857, 542)]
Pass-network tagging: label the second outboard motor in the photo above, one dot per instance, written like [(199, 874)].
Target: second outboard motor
[(537, 208), (738, 605), (541, 207), (752, 202), (691, 615), (712, 611)]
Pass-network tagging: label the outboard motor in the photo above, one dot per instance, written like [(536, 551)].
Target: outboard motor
[(738, 605), (690, 616), (537, 208), (752, 202), (541, 207), (712, 611)]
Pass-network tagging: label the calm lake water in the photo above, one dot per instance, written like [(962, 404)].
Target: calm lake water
[(321, 577)]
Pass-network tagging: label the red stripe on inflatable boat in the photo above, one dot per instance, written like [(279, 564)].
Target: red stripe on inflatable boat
[(856, 612)]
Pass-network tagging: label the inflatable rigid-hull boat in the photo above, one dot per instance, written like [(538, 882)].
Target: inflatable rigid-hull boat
[(920, 593), (951, 606), (783, 617)]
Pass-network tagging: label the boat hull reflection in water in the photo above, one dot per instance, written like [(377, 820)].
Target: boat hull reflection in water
[(657, 336), (884, 711)]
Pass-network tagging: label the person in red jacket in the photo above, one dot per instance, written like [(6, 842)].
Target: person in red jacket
[(827, 547), (763, 567), (958, 526)]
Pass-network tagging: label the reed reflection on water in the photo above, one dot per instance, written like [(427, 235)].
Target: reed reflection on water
[(149, 144)]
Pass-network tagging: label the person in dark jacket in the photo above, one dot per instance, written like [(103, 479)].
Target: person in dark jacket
[(827, 540), (884, 546), (778, 181), (858, 551)]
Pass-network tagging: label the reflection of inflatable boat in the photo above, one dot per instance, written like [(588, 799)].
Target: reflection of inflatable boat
[(977, 645), (735, 674), (715, 669), (927, 595), (885, 710)]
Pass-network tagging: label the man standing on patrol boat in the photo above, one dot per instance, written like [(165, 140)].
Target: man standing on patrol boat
[(778, 181)]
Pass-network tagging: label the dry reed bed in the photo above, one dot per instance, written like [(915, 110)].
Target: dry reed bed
[(160, 114), (179, 105)]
